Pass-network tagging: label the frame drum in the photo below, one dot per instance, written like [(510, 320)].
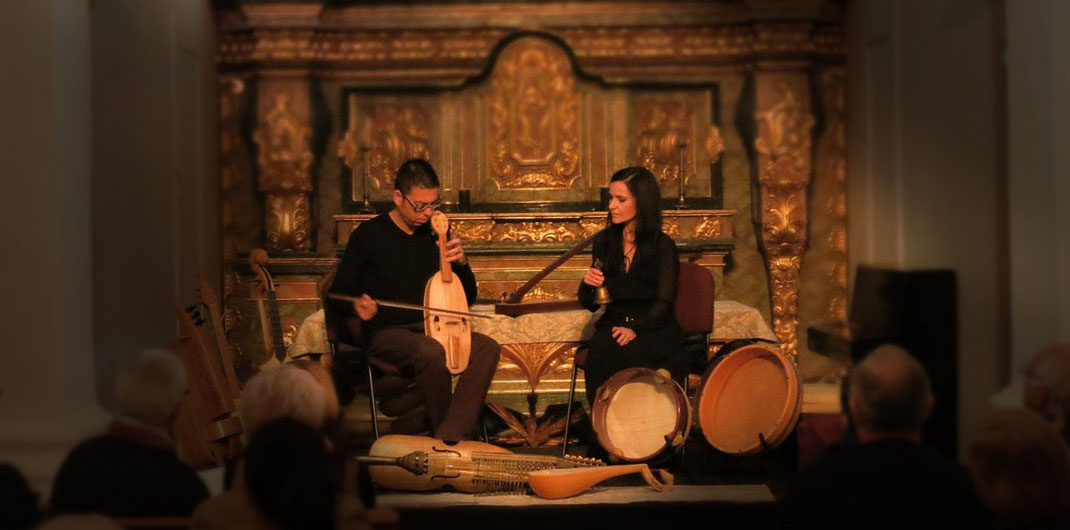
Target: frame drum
[(639, 413), (749, 399)]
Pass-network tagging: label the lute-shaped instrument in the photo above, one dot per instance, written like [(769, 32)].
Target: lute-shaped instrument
[(444, 291)]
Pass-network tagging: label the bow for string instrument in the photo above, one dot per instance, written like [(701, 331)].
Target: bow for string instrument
[(514, 305)]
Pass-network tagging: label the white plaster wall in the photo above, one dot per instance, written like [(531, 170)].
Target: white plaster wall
[(110, 203), (1038, 115), (922, 163), (46, 384), (155, 191)]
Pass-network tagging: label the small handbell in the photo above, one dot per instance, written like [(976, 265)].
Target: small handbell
[(601, 293)]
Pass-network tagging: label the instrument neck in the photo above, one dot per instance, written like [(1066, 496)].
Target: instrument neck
[(276, 326), (447, 269)]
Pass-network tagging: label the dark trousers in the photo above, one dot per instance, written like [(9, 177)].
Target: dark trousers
[(605, 358), (453, 414)]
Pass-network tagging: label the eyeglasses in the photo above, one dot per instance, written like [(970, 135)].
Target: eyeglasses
[(419, 207)]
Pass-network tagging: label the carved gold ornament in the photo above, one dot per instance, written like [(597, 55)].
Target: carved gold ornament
[(473, 230), (591, 45), (533, 124), (589, 227), (284, 156), (783, 146), (671, 226), (714, 144), (539, 232), (537, 359), (231, 93), (287, 220), (662, 125), (834, 153), (708, 228), (398, 132)]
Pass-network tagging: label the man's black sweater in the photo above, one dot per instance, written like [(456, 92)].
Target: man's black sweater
[(384, 262)]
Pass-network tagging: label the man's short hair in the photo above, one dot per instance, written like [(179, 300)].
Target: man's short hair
[(415, 173), (890, 391), (286, 392), (150, 386)]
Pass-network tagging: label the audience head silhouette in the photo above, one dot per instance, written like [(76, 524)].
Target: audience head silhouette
[(289, 391), (889, 394), (1047, 386), (290, 477), (149, 387), (1022, 470)]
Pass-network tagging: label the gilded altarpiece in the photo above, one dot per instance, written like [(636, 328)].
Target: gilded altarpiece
[(525, 117)]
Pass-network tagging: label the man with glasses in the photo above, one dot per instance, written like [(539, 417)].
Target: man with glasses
[(391, 257)]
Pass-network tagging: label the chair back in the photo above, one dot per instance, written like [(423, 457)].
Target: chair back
[(340, 328), (694, 299)]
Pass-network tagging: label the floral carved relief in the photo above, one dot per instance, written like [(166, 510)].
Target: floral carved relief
[(663, 128), (285, 154), (287, 222), (835, 165), (533, 123), (784, 166), (397, 132)]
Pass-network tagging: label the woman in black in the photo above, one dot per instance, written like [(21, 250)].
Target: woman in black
[(638, 265)]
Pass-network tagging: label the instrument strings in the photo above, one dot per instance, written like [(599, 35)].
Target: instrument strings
[(507, 474)]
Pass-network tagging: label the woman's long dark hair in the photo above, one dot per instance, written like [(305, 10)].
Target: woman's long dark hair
[(644, 189)]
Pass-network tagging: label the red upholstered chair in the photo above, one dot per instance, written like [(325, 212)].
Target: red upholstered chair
[(695, 292)]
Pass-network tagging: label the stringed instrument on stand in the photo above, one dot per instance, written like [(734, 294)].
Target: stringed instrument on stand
[(226, 355), (270, 322), (207, 430)]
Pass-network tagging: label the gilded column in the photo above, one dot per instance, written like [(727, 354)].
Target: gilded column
[(784, 128), (833, 153), (284, 161)]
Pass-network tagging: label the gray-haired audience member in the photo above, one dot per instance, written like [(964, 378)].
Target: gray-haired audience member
[(887, 480), (302, 390), (298, 393), (132, 469)]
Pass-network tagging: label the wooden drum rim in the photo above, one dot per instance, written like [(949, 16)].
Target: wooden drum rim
[(681, 429), (716, 379)]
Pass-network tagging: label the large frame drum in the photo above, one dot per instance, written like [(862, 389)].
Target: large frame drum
[(639, 413), (749, 399)]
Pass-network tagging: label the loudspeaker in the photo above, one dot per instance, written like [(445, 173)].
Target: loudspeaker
[(918, 311)]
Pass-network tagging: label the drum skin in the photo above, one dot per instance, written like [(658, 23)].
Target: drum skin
[(639, 413), (747, 395)]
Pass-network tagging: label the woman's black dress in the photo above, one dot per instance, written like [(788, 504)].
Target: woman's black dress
[(641, 299)]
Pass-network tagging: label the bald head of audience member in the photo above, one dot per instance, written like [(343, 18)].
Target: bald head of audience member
[(301, 390), (889, 395), (1047, 386), (149, 388), (1022, 470)]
